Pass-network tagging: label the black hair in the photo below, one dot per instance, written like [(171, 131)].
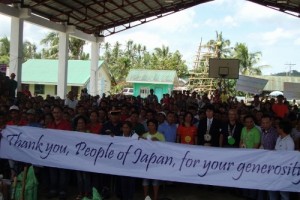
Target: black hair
[(286, 126), (154, 121), (128, 123)]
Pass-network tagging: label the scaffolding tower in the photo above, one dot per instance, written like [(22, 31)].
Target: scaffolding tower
[(198, 77)]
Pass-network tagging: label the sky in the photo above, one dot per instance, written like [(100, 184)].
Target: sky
[(275, 34)]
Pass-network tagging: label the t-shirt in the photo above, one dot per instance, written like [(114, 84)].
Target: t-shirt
[(157, 135), (186, 134), (251, 137), (62, 125), (280, 110)]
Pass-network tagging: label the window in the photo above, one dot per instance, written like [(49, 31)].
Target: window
[(39, 89), (144, 92)]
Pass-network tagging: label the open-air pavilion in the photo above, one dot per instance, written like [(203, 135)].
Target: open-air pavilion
[(93, 20)]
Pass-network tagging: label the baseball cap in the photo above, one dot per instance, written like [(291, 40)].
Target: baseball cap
[(163, 113), (31, 111), (14, 107)]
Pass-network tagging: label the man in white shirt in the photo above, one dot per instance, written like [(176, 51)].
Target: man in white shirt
[(70, 101), (284, 143)]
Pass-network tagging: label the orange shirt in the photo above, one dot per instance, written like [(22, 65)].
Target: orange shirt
[(187, 135)]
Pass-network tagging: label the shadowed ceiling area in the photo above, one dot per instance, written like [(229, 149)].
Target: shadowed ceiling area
[(107, 17)]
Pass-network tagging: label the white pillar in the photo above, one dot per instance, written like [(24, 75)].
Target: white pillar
[(16, 48), (62, 64), (94, 66)]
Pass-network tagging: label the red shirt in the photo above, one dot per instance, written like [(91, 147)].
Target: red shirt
[(62, 125), (19, 123), (96, 128), (280, 109)]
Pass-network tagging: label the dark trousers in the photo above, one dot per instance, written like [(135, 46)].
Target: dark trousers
[(127, 187), (58, 180), (84, 183)]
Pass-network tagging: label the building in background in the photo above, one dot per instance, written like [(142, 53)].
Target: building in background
[(40, 76), (161, 81)]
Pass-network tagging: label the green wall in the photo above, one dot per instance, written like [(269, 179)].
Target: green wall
[(159, 89)]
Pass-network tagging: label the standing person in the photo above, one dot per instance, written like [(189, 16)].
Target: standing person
[(127, 183), (250, 137), (169, 128), (209, 129), (284, 143), (231, 131), (187, 131), (113, 125), (137, 127), (70, 101), (94, 125), (151, 98), (268, 141), (269, 133), (152, 135), (83, 178), (15, 119), (58, 177), (280, 109), (13, 84)]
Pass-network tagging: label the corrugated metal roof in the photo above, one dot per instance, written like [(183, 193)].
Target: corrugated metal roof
[(275, 83), (152, 76), (45, 71)]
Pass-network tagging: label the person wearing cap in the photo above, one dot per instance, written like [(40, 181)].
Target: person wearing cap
[(13, 84), (113, 125), (15, 117), (161, 117), (280, 108), (209, 129), (31, 118)]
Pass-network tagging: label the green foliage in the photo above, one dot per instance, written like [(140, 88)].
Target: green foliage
[(247, 59), (135, 56), (51, 41)]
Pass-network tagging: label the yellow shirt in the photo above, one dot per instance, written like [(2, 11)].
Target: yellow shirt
[(157, 135)]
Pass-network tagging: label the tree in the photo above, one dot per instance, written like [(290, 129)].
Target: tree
[(4, 50), (30, 51), (220, 47), (51, 41), (247, 60), (75, 47)]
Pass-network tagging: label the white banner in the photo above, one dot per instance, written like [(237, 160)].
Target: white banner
[(241, 168), (250, 84)]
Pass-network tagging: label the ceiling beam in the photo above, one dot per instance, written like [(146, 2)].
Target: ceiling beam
[(34, 19)]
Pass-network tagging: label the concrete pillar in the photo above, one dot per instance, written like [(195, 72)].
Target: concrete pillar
[(94, 66), (16, 49), (63, 50)]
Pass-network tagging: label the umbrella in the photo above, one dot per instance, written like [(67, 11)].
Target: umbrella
[(276, 93)]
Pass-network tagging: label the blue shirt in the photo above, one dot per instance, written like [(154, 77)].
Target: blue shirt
[(168, 130)]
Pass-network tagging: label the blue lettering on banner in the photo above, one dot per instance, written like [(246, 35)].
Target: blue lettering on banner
[(186, 164)]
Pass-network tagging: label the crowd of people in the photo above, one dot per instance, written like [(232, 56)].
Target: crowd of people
[(180, 117)]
